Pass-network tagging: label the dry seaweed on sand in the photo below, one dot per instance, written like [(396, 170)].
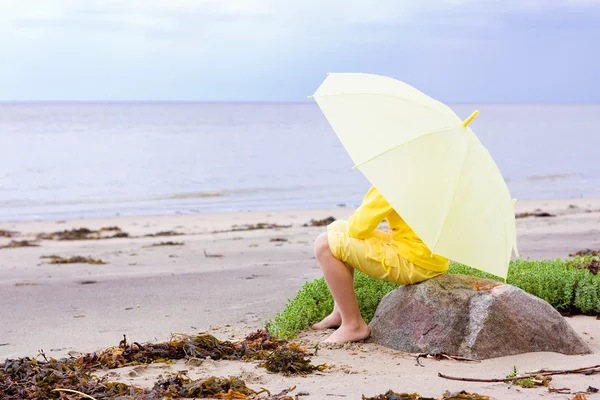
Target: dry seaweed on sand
[(254, 227), (215, 255), (169, 243), (23, 284), (279, 239), (538, 214), (214, 387), (279, 356), (580, 396), (262, 340), (72, 260), (586, 252), (390, 395), (85, 234), (28, 379), (319, 222), (283, 395), (8, 234), (290, 359), (164, 233), (464, 395), (20, 243), (41, 377), (179, 385), (111, 229)]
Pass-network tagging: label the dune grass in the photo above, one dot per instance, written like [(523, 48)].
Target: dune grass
[(564, 283)]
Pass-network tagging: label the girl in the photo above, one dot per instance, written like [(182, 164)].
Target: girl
[(398, 256)]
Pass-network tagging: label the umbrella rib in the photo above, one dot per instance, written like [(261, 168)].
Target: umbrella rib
[(455, 190), (420, 103), (402, 144)]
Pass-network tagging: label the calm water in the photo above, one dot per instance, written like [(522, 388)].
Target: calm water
[(86, 160)]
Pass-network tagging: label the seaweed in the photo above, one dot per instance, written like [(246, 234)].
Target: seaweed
[(169, 243), (290, 359), (259, 345), (44, 378), (214, 387), (254, 227), (538, 214), (84, 234), (586, 252), (20, 243), (216, 255), (164, 233), (111, 229), (8, 234), (110, 232), (27, 378), (320, 222), (390, 395), (179, 385), (256, 346), (464, 395), (263, 340), (72, 260), (22, 284)]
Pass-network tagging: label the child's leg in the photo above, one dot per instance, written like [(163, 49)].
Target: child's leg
[(333, 320), (340, 280)]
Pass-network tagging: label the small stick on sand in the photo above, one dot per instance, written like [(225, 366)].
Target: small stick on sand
[(590, 370), (439, 356), (212, 255)]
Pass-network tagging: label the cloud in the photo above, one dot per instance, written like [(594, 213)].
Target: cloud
[(269, 49), (169, 14), (270, 20)]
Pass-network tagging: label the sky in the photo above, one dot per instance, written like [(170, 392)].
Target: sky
[(458, 51)]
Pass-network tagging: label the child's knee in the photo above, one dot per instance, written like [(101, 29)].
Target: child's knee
[(338, 226), (321, 246)]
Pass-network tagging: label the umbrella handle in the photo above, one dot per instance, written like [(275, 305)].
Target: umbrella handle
[(471, 118)]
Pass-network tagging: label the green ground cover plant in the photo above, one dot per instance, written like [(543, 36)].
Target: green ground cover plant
[(572, 286)]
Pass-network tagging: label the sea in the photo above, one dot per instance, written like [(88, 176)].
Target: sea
[(87, 160)]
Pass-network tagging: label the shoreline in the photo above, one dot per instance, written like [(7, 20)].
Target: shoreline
[(525, 205)]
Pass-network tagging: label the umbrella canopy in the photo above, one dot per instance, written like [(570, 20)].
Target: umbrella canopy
[(427, 163)]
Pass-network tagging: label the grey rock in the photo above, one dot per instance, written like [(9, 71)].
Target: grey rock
[(447, 314)]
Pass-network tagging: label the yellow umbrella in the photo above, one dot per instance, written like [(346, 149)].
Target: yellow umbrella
[(428, 164)]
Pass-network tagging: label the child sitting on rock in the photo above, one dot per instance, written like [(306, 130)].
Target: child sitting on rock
[(398, 256)]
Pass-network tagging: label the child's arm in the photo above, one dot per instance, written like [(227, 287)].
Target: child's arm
[(369, 215)]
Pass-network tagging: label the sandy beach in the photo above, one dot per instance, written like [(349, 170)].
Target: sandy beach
[(230, 282)]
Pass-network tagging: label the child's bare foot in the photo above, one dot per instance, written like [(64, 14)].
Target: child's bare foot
[(333, 320), (346, 333)]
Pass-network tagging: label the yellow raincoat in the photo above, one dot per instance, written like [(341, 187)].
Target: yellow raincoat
[(398, 256)]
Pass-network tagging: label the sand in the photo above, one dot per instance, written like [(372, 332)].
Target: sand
[(149, 293)]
